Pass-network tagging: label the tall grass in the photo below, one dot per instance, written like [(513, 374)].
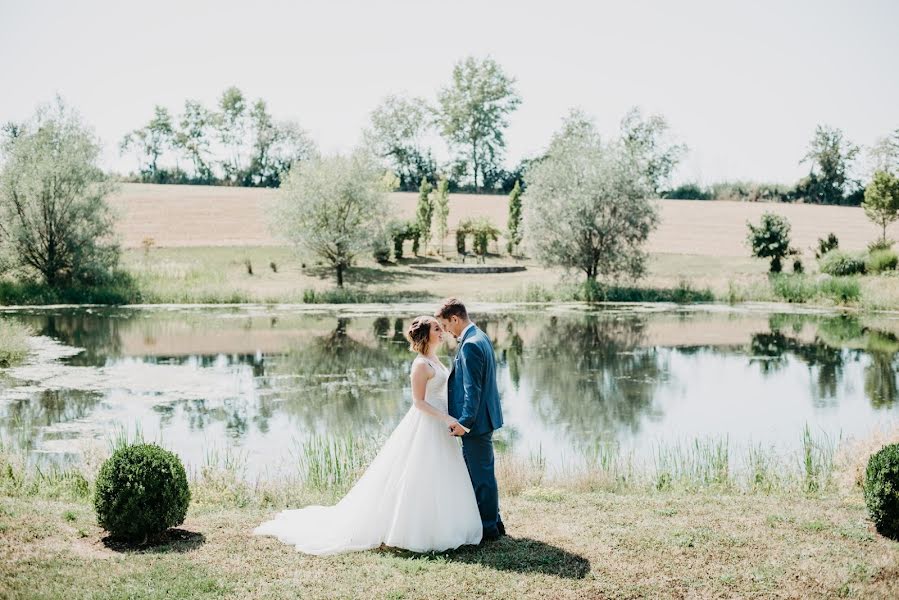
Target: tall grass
[(682, 293), (333, 462), (326, 467), (13, 342)]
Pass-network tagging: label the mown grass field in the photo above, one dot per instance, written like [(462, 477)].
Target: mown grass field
[(561, 544), (205, 241), (179, 216)]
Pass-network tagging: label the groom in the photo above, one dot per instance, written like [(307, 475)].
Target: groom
[(474, 403)]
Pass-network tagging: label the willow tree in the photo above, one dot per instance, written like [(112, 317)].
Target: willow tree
[(586, 206), (54, 219), (334, 208)]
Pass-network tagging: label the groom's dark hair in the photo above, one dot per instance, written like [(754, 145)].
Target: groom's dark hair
[(452, 308)]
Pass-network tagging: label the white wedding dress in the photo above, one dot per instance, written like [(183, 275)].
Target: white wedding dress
[(416, 494)]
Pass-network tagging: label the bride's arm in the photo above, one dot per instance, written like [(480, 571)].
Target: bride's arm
[(421, 373)]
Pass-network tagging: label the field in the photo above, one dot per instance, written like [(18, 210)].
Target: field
[(192, 216)]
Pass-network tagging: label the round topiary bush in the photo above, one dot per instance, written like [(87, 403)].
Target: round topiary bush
[(882, 490), (141, 491)]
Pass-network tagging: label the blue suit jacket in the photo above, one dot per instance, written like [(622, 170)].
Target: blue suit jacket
[(473, 395)]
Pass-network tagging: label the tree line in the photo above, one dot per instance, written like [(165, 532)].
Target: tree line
[(832, 159)]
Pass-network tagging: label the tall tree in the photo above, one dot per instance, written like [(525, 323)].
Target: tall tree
[(276, 146), (474, 114), (54, 220), (334, 208), (514, 232), (150, 142), (398, 126), (192, 137), (424, 211), (881, 202), (646, 139), (831, 157), (884, 154), (441, 209), (232, 125), (586, 206)]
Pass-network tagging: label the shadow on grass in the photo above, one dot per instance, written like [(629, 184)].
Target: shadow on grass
[(520, 555), (364, 275), (171, 540)]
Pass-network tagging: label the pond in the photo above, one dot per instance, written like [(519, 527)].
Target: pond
[(259, 380)]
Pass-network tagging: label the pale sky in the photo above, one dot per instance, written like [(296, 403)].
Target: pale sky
[(743, 84)]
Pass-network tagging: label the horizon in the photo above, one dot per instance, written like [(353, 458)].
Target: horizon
[(746, 110)]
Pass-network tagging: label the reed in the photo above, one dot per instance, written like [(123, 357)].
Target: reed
[(13, 342)]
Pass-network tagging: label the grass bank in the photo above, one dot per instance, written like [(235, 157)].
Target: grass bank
[(604, 531), (274, 274)]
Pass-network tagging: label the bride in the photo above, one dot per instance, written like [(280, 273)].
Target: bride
[(416, 494)]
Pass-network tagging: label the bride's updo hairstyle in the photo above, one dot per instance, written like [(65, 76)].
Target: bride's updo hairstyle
[(418, 334)]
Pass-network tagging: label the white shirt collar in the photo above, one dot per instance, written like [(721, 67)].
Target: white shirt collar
[(464, 331)]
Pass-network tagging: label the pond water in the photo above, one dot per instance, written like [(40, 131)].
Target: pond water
[(260, 380)]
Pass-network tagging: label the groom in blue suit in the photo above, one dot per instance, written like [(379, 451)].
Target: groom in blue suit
[(473, 400)]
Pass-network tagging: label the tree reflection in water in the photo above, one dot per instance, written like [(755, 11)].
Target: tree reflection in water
[(590, 376), (837, 341)]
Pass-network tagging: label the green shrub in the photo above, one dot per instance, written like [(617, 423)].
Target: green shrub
[(825, 245), (841, 289), (882, 490), (839, 264), (141, 491), (798, 267), (881, 260)]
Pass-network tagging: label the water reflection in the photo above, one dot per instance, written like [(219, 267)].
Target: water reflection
[(255, 379)]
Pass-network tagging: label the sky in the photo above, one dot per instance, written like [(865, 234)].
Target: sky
[(742, 84)]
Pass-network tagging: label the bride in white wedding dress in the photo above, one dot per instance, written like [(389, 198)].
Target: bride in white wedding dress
[(415, 495)]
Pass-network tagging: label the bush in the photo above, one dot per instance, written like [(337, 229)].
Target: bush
[(825, 245), (688, 191), (882, 490), (141, 491), (881, 260), (839, 264), (798, 267), (771, 239)]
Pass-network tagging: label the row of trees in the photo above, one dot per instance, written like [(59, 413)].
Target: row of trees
[(832, 159), (586, 203), (237, 143)]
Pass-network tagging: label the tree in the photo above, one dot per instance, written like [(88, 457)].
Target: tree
[(881, 202), (192, 138), (150, 142), (884, 154), (232, 126), (771, 239), (276, 146), (397, 127), (647, 141), (441, 209), (586, 206), (514, 234), (54, 220), (831, 159), (473, 115), (424, 211), (334, 208)]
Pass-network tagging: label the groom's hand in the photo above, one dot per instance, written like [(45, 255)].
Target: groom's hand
[(457, 430)]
